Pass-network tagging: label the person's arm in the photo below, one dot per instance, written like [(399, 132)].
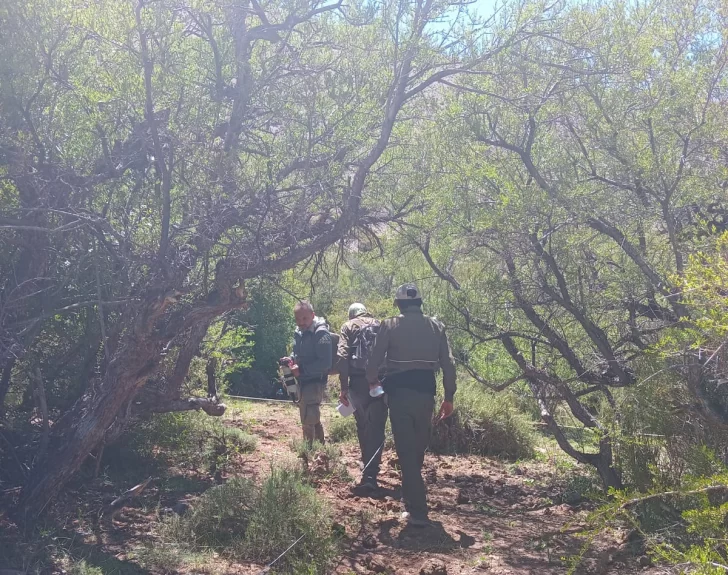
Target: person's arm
[(381, 343), (342, 354), (447, 364)]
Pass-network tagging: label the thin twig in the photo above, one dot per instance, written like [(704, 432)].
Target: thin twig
[(291, 546)]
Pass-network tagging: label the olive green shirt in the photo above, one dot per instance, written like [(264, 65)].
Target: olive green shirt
[(413, 340)]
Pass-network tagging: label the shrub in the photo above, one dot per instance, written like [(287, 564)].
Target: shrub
[(257, 523), (658, 445), (285, 510), (684, 527), (196, 438), (218, 519), (342, 429), (484, 423)]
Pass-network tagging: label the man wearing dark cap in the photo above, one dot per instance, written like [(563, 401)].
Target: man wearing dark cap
[(355, 344), (415, 347)]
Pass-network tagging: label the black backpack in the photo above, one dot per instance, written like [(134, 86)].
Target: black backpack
[(362, 346)]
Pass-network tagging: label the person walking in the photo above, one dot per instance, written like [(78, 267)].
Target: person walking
[(356, 342), (313, 354), (415, 347)]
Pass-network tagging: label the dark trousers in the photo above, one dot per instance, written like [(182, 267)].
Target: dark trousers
[(410, 412), (371, 417)]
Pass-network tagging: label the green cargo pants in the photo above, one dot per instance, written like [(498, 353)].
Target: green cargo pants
[(312, 394), (410, 412), (371, 418)]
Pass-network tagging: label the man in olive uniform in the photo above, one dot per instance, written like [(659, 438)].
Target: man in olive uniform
[(355, 344), (312, 351), (415, 347)]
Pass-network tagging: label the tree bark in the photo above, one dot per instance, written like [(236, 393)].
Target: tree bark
[(5, 382), (210, 369)]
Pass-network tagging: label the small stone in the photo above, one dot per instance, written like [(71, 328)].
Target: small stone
[(645, 561), (373, 565), (181, 508), (434, 567), (370, 542)]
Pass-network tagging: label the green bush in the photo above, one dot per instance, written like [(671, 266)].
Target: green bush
[(196, 438), (219, 517), (285, 510), (657, 445), (342, 429), (484, 423), (246, 522)]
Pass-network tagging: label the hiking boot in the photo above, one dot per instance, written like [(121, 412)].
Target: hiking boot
[(366, 486), (415, 521)]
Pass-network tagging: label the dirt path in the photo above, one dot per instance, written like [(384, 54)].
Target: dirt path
[(490, 517)]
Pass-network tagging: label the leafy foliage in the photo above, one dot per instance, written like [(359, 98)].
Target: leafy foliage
[(484, 423)]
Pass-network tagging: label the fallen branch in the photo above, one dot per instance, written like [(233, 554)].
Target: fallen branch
[(209, 405), (120, 502)]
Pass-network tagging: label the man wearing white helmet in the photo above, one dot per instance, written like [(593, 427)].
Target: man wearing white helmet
[(415, 347), (355, 345)]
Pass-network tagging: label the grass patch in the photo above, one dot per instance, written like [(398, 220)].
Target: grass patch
[(245, 522), (484, 423), (169, 558)]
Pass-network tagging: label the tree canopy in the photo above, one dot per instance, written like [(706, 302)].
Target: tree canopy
[(553, 175)]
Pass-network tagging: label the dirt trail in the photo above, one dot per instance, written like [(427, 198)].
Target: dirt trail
[(489, 517)]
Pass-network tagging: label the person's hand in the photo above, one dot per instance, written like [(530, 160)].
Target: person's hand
[(344, 399), (445, 411)]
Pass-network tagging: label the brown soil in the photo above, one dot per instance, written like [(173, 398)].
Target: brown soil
[(489, 516)]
